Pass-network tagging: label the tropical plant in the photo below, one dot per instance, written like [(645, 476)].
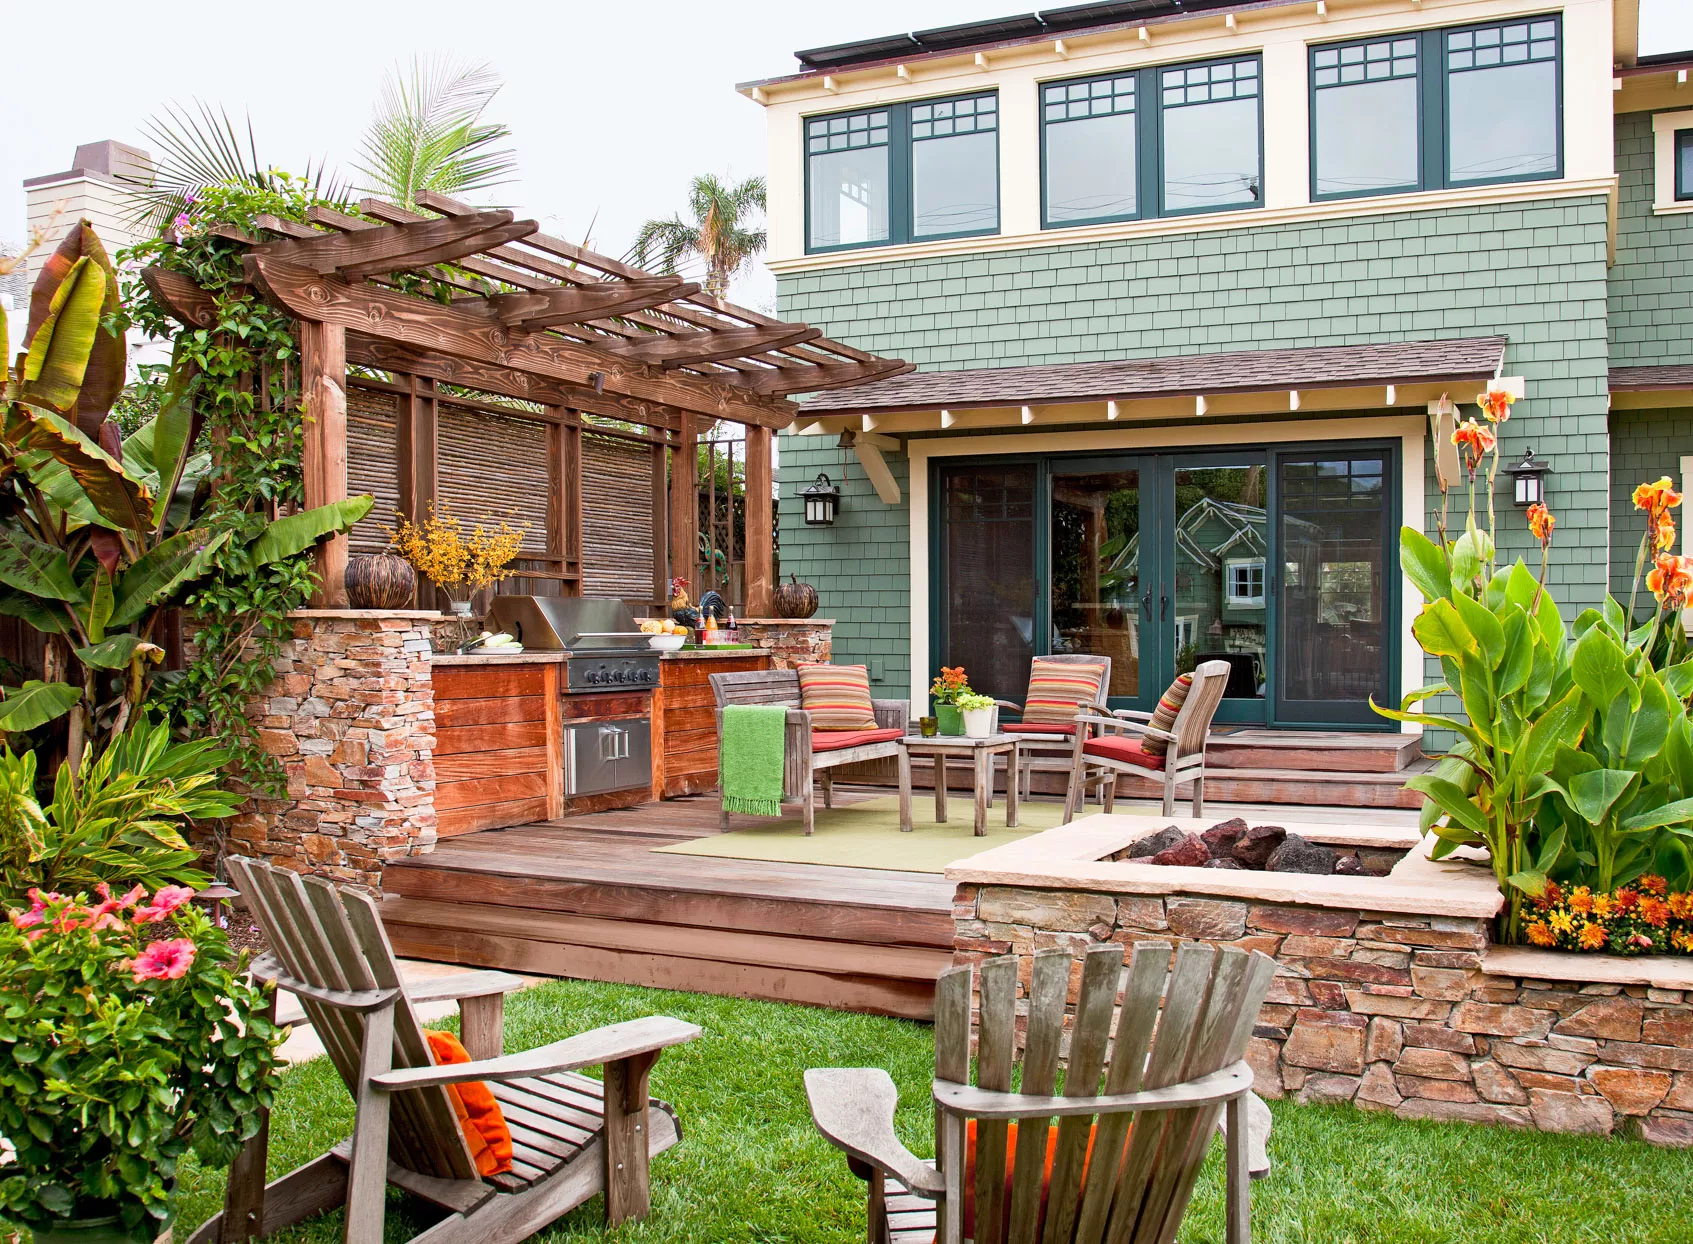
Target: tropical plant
[(428, 134), (130, 1033), (122, 823), (97, 539), (717, 236)]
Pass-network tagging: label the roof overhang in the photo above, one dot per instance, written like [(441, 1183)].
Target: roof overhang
[(1300, 383), (1653, 83), (1651, 388)]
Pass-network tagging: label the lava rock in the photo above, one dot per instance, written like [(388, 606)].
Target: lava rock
[(1258, 844), (1152, 844), (1190, 852), (1220, 838), (1301, 855), (1351, 865), (1223, 863)]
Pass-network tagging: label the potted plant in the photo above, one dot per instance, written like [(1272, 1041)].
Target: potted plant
[(129, 1034), (459, 565), (949, 684), (978, 714)]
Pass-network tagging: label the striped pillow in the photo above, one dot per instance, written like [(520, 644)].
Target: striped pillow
[(1164, 716), (837, 697), (1059, 689)]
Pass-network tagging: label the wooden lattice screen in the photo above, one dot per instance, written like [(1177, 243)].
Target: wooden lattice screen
[(373, 464), (620, 519)]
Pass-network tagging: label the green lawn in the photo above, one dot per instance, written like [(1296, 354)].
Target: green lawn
[(752, 1169)]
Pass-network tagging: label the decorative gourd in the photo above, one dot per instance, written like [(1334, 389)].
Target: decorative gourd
[(795, 599), (380, 581)]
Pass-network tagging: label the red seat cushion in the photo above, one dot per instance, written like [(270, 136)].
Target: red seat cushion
[(1010, 1170), (835, 740), (1117, 747), (1039, 727)]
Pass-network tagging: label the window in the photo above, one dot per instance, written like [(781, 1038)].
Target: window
[(1243, 586), (1683, 165), (1152, 142), (903, 173), (1456, 107)]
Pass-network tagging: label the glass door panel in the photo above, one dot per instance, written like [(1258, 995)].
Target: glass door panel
[(1218, 606), (1101, 601), (1337, 570), (987, 575)]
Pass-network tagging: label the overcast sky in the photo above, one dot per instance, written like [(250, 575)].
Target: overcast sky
[(612, 107)]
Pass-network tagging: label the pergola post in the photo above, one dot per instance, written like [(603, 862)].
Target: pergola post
[(761, 528), (684, 503), (323, 393)]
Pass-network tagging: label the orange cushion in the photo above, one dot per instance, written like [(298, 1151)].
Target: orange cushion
[(1164, 716), (837, 697), (1039, 727), (835, 740), (1117, 747), (1010, 1165), (479, 1116), (1057, 689)]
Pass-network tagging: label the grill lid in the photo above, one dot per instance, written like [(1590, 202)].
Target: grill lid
[(568, 623)]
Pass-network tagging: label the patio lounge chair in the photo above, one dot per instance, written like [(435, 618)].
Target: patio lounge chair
[(1052, 740), (1175, 1085), (1102, 747), (810, 756), (572, 1137)]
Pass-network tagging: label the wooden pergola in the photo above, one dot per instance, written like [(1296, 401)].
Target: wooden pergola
[(579, 338)]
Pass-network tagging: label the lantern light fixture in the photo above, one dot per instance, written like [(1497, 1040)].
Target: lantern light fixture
[(822, 499), (1530, 479)]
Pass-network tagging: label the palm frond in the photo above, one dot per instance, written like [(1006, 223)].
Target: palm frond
[(428, 134), (717, 236), (661, 245)]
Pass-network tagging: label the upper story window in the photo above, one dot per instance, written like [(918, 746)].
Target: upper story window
[(1684, 165), (903, 173), (1457, 107), (1159, 141)]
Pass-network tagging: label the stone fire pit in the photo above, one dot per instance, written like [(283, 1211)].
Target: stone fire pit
[(1389, 992)]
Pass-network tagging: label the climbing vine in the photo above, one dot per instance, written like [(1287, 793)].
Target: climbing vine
[(245, 393)]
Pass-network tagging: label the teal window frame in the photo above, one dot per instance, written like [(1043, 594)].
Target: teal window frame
[(1149, 110), (1678, 150), (901, 204), (1434, 73)]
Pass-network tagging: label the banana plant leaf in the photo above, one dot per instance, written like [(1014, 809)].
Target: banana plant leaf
[(123, 501), (35, 704), (61, 342), (35, 568), (101, 377), (159, 573), (171, 434), (288, 536), (64, 496), (117, 652), (43, 615)]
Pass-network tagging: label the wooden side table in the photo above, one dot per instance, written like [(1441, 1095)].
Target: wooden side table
[(981, 753)]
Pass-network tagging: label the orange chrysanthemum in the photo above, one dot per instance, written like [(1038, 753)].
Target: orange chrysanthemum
[(1670, 579), (1603, 906), (1540, 522), (1495, 405), (1592, 937), (1682, 941), (1681, 906), (1626, 899), (1654, 911), (1540, 933), (1581, 900), (1653, 884), (1657, 497)]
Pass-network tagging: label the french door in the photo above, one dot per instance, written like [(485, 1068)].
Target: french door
[(1277, 562)]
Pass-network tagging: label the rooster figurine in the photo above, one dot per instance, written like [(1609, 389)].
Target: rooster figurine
[(680, 610)]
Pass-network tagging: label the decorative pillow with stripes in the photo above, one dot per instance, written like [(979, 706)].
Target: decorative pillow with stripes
[(1164, 716), (1058, 690), (837, 697)]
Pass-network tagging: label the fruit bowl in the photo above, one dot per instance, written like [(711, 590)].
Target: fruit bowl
[(666, 643)]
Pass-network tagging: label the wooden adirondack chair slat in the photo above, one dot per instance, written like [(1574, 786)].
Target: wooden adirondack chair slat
[(995, 1052), (952, 1062), (1049, 988), (1102, 966)]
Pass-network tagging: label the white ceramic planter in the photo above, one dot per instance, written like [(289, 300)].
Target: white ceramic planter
[(978, 723)]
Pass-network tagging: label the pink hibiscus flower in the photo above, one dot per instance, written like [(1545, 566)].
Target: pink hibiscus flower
[(167, 960), (164, 902)]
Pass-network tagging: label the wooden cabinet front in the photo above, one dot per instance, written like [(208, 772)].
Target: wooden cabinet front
[(496, 746), (685, 721)]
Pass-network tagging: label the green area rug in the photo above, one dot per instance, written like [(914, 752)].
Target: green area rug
[(867, 835)]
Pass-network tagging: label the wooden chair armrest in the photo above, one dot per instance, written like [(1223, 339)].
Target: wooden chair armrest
[(854, 1109), (1016, 708), (891, 713), (1131, 714), (610, 1044), (1123, 724), (464, 985)]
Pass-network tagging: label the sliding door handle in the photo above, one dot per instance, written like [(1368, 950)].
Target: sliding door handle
[(1164, 608), (1146, 604)]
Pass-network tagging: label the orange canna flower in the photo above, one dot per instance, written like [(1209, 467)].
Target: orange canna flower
[(1662, 527), (1475, 440), (1540, 522), (1657, 497), (1670, 579), (1495, 405), (1592, 937), (1541, 934)]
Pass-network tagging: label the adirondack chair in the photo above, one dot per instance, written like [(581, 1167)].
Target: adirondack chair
[(810, 757), (1052, 741), (1102, 747), (1109, 1181), (572, 1136)]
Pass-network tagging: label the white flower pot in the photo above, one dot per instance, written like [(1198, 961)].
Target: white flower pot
[(978, 723)]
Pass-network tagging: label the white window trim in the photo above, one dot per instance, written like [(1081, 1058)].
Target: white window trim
[(1230, 600), (1664, 127), (1686, 465)]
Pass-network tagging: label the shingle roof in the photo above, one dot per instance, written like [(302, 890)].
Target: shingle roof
[(1645, 379), (1245, 371)]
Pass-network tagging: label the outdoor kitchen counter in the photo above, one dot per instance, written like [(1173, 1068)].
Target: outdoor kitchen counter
[(477, 658), (685, 716), (497, 753)]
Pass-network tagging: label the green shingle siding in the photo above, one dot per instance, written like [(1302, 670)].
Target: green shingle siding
[(1644, 445), (1651, 301)]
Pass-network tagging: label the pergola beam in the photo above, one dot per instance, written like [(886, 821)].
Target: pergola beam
[(396, 248), (707, 346), (823, 376), (423, 325), (581, 304)]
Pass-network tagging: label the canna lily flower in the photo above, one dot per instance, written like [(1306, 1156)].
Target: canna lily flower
[(1662, 527), (1658, 497), (167, 960), (1495, 405), (1540, 522), (1670, 580), (1475, 439)]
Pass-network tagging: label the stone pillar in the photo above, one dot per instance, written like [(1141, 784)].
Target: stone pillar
[(791, 641), (351, 719)]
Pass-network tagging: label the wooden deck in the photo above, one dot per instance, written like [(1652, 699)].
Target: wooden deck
[(586, 897)]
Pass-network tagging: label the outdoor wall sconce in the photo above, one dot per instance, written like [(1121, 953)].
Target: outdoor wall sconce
[(1530, 476), (822, 499)]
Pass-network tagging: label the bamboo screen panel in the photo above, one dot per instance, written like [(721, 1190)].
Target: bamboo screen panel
[(493, 467), (373, 464), (618, 546)]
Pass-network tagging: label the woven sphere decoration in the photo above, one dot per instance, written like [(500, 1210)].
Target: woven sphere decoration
[(380, 581), (795, 599)]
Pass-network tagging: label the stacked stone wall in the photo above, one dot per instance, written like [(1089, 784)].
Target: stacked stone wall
[(790, 642), (1394, 1012)]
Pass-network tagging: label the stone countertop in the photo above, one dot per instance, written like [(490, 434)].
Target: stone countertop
[(713, 654), (1072, 857), (1533, 963), (784, 621), (521, 658)]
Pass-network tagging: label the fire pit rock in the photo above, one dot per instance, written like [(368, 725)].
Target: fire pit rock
[(1236, 845), (1190, 852), (1220, 839), (1301, 855), (1152, 844), (1254, 848)]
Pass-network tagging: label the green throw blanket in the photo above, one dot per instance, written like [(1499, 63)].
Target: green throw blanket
[(749, 758)]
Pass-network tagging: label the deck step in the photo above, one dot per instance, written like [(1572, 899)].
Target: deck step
[(1319, 750), (1308, 786)]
